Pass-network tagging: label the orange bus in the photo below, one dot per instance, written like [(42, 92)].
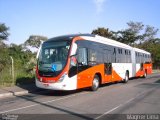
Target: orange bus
[(77, 61)]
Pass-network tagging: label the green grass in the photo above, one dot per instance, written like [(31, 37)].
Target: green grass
[(21, 78), (156, 71), (6, 78)]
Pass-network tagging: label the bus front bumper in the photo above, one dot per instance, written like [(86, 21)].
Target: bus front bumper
[(53, 86)]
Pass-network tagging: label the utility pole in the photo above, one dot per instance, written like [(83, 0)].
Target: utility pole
[(12, 69)]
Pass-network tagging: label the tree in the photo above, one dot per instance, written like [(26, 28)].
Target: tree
[(150, 34), (153, 48), (125, 36), (3, 32), (135, 27), (136, 33), (3, 36), (103, 32), (21, 58), (35, 41), (130, 35)]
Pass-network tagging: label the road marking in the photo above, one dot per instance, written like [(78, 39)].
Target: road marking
[(109, 111), (2, 112), (128, 101)]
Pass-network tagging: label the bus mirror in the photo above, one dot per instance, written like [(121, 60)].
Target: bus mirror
[(74, 49)]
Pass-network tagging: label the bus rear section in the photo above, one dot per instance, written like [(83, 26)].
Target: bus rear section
[(143, 63)]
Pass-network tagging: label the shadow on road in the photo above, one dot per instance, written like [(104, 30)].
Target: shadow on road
[(158, 81), (29, 85)]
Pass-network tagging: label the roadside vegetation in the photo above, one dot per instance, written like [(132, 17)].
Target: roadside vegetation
[(21, 71), (24, 59)]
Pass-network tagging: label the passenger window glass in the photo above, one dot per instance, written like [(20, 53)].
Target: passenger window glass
[(92, 55), (82, 56)]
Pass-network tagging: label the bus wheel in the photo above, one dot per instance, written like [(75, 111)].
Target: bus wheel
[(145, 74), (126, 77), (95, 83)]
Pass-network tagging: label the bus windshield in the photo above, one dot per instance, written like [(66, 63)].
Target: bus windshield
[(53, 56)]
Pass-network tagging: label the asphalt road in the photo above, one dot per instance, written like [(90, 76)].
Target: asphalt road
[(112, 101)]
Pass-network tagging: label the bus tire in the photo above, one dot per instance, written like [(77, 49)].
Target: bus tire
[(95, 83), (126, 79)]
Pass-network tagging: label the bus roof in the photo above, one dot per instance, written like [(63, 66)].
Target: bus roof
[(140, 50), (108, 41), (99, 39), (70, 36)]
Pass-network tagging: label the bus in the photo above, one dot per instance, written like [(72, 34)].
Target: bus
[(77, 61)]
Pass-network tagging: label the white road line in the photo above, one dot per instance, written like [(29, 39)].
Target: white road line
[(128, 101), (108, 111), (11, 110)]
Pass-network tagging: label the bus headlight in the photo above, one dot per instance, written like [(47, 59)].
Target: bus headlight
[(62, 77)]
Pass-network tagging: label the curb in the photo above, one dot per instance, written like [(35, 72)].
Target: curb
[(10, 94), (5, 95), (22, 92)]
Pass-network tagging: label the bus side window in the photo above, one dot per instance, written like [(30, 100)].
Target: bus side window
[(82, 56), (92, 57), (114, 56)]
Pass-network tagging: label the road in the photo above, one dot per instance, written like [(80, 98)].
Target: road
[(115, 101)]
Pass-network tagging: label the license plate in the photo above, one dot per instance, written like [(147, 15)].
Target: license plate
[(46, 85)]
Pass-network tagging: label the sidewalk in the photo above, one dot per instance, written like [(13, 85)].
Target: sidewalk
[(18, 90)]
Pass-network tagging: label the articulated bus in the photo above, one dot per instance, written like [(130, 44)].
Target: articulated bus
[(84, 60)]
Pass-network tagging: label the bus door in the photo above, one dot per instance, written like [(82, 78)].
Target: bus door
[(83, 78), (107, 65)]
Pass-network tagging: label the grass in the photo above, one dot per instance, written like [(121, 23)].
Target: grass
[(156, 71), (6, 78), (21, 78)]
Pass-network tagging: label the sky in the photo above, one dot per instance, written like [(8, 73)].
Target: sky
[(52, 18)]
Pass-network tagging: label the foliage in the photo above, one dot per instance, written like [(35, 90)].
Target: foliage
[(136, 33), (153, 47), (3, 32), (24, 62), (150, 33), (35, 41), (103, 32)]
